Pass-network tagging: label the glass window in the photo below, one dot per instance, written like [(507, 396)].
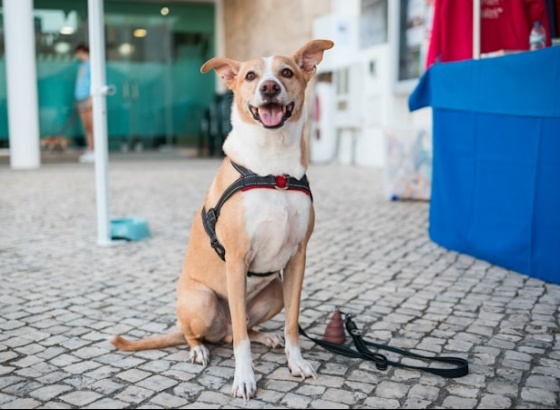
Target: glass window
[(373, 23), (414, 34)]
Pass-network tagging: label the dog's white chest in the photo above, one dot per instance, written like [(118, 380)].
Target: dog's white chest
[(276, 223)]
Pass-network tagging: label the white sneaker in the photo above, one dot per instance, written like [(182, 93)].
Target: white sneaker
[(87, 156)]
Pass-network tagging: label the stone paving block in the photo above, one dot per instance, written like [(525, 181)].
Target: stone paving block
[(9, 355), (414, 403), (22, 388), (381, 403), (53, 377), (454, 402), (279, 385), (89, 352), (80, 398), (157, 383), (5, 398), (213, 397), (493, 401), (168, 401), (27, 361), (22, 404), (156, 366), (133, 375), (324, 404), (424, 393), (50, 392), (107, 403), (106, 386), (16, 341), (391, 390), (134, 394), (28, 372), (295, 401), (343, 396), (269, 396), (536, 395), (9, 380), (81, 367)]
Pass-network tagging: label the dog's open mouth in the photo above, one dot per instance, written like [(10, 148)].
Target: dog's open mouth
[(272, 115)]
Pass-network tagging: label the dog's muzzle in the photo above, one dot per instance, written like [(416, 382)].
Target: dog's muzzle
[(272, 115)]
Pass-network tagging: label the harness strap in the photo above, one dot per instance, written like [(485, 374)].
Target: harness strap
[(248, 180), (381, 362)]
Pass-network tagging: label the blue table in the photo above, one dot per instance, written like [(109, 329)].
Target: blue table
[(496, 159)]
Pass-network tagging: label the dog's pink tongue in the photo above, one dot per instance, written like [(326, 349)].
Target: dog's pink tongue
[(271, 115)]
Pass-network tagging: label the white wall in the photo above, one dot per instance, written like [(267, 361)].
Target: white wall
[(375, 102)]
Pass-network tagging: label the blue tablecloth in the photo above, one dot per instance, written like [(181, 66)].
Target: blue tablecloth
[(496, 159)]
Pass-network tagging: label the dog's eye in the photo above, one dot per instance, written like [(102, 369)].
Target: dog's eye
[(287, 73), (250, 76)]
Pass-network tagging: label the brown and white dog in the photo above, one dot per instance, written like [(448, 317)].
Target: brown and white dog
[(262, 230)]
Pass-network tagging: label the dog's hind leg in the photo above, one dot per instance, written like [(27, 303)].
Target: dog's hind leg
[(202, 316)]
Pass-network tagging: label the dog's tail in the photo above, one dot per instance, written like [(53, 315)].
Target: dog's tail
[(155, 342)]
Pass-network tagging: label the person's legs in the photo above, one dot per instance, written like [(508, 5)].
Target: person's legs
[(86, 117)]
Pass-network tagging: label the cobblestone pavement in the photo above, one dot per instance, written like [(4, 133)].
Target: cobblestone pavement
[(62, 297)]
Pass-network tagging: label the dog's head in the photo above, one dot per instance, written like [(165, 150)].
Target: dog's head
[(270, 91)]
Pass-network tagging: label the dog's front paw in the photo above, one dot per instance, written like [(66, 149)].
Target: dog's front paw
[(299, 367), (200, 355), (244, 384)]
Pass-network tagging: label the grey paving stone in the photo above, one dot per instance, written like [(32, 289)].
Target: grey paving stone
[(391, 390), (537, 395), (133, 375), (80, 398), (4, 398), (22, 404), (50, 392), (324, 404), (381, 403), (168, 401), (157, 383), (295, 401), (454, 402), (493, 401), (134, 394), (107, 403)]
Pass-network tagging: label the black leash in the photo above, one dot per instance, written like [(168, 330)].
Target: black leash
[(381, 362)]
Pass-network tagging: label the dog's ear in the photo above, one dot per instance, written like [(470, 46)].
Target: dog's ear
[(227, 69), (310, 55)]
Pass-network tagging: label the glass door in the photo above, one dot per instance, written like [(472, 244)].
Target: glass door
[(154, 54), (138, 61)]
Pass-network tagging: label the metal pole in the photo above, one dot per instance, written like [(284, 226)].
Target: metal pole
[(98, 92), (476, 29)]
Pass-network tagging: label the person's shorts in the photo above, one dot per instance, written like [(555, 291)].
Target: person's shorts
[(83, 105)]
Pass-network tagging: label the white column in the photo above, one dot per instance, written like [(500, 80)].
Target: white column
[(98, 92), (21, 79)]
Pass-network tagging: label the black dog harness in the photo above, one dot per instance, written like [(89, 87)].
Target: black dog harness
[(248, 180)]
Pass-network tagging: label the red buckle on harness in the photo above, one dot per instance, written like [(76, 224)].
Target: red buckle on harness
[(281, 182)]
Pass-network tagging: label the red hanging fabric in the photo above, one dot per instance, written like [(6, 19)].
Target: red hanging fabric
[(505, 25)]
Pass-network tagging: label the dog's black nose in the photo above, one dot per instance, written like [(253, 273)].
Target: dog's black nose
[(270, 88)]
